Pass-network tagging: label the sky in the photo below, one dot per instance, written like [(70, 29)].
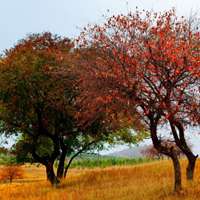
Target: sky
[(68, 17)]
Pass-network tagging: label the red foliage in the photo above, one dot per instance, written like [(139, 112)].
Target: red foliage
[(141, 64), (11, 172)]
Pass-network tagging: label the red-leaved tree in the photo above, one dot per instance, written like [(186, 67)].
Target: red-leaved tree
[(146, 66)]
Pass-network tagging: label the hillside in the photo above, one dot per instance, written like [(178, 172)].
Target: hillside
[(133, 152)]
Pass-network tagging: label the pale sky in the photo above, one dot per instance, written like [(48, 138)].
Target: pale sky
[(66, 17)]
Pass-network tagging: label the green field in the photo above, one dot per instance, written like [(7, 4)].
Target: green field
[(106, 161)]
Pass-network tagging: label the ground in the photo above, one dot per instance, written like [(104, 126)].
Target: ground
[(150, 181)]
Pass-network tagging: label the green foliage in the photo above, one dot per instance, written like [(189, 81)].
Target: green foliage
[(44, 146), (128, 135), (7, 159), (104, 161), (23, 147)]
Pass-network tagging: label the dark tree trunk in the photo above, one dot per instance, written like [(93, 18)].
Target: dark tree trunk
[(61, 165), (177, 173), (168, 151), (182, 144), (191, 167), (10, 179), (48, 162), (51, 177)]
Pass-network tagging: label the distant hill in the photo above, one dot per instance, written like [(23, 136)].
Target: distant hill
[(133, 152)]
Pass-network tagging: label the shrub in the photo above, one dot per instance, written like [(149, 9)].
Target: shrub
[(7, 159), (10, 172)]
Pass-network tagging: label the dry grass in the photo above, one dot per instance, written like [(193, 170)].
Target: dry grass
[(151, 181)]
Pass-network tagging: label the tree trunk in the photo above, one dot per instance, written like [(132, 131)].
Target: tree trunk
[(181, 143), (51, 177), (191, 167), (60, 170), (10, 179), (169, 151), (177, 173)]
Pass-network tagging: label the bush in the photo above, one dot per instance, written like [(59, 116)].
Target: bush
[(10, 172), (7, 159)]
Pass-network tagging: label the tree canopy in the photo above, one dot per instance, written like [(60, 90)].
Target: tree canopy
[(118, 81), (38, 92), (147, 67)]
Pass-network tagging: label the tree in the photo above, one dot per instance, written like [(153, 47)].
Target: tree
[(11, 172), (151, 152), (38, 89), (27, 100), (146, 66), (96, 130)]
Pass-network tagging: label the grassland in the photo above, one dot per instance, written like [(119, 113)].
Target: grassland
[(149, 181), (106, 161)]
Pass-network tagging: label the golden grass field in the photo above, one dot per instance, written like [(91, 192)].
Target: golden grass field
[(150, 181)]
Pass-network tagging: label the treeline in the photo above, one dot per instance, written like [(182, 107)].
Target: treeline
[(117, 82)]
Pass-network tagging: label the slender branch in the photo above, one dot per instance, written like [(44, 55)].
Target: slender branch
[(76, 154)]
